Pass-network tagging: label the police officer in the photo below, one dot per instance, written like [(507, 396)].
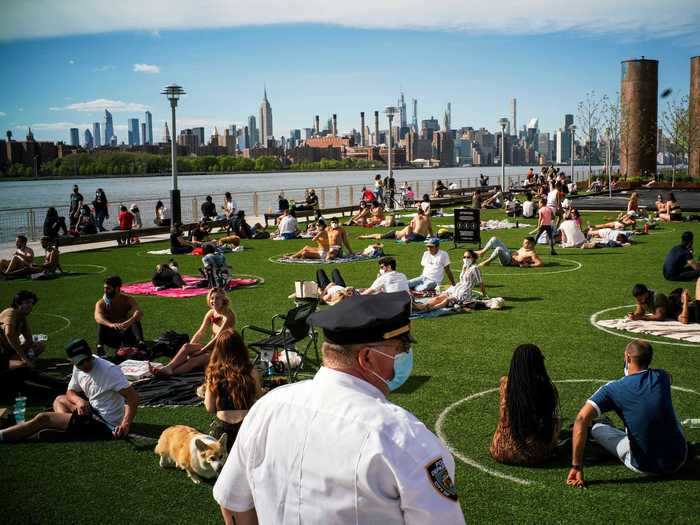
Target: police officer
[(334, 449)]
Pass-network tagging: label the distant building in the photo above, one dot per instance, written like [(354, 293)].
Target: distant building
[(265, 120), (96, 134), (134, 132), (514, 119), (189, 140), (148, 136), (543, 147), (200, 135), (143, 134), (563, 146), (403, 120), (74, 137), (463, 152), (89, 141), (253, 137), (428, 127), (109, 128)]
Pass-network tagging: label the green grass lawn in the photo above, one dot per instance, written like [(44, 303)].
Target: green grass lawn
[(457, 356)]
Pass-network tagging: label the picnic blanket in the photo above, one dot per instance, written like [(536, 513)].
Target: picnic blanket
[(177, 390), (671, 329), (439, 312), (193, 288), (135, 370), (222, 249), (160, 252), (286, 259)]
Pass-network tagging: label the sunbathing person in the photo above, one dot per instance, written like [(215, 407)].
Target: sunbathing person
[(606, 238), (337, 240), (418, 230), (460, 293), (623, 221), (323, 250), (376, 214), (529, 420), (659, 204), (332, 291), (16, 352), (672, 213), (21, 261), (51, 263), (651, 306), (360, 217), (195, 355), (525, 256), (118, 317), (167, 276)]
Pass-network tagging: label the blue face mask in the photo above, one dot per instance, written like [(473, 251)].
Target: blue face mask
[(403, 365)]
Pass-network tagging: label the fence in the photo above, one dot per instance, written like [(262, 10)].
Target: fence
[(29, 221)]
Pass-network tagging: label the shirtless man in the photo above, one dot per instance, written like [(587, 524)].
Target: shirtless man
[(337, 239), (418, 230), (623, 220), (525, 256), (16, 352), (322, 239), (22, 259)]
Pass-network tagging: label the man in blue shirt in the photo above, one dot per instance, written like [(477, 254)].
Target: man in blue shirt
[(679, 264), (652, 442)]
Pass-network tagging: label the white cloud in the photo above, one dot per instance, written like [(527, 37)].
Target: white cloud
[(53, 126), (146, 68), (101, 104), (3, 114), (71, 62), (648, 18)]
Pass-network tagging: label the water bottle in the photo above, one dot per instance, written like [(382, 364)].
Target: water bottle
[(691, 423), (20, 408)]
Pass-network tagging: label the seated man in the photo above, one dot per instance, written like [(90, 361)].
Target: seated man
[(321, 238), (16, 351), (651, 306), (21, 261), (435, 263), (118, 318), (525, 256), (208, 208), (652, 442), (179, 245), (461, 293), (288, 227), (338, 239), (679, 264), (418, 230), (389, 280), (99, 403)]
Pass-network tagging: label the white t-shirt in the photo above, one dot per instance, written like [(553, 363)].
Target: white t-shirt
[(434, 265), (610, 234), (288, 224), (101, 386), (528, 209), (553, 199), (390, 282), (574, 235), (426, 207), (335, 450)]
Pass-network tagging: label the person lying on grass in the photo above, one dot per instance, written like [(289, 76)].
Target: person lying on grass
[(525, 256), (118, 317), (195, 355), (623, 221), (677, 306), (333, 290), (15, 351), (606, 238), (99, 403), (418, 230), (652, 442), (460, 293), (167, 275), (529, 417)]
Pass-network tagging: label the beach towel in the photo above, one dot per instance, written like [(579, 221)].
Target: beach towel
[(286, 259), (160, 252), (193, 288), (671, 329), (492, 224), (180, 390), (135, 370), (439, 312)]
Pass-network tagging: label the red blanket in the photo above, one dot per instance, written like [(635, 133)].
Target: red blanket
[(191, 290)]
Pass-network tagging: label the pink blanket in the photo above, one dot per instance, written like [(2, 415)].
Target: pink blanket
[(191, 290)]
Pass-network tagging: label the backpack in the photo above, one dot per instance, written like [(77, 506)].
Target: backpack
[(168, 343)]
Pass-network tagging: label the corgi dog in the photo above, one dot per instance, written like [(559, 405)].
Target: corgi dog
[(200, 455)]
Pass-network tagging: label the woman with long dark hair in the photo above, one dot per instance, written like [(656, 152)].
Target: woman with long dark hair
[(529, 422), (53, 224), (230, 385)]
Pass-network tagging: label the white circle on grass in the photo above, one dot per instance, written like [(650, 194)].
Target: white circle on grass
[(619, 333), (440, 423), (99, 267), (65, 319), (534, 271)]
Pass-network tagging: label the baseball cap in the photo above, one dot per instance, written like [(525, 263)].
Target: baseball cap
[(78, 351)]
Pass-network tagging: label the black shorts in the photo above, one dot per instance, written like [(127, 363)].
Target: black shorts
[(88, 428)]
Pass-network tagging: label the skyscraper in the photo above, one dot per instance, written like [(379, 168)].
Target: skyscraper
[(199, 132), (148, 137), (74, 137), (166, 134), (414, 119), (89, 142), (134, 132), (143, 134), (514, 112), (96, 134), (109, 128), (448, 126), (402, 112), (252, 132), (265, 120)]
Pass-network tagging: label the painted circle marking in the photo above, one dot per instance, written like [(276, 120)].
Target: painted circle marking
[(440, 422), (534, 271), (64, 327), (318, 261), (594, 318), (101, 269)]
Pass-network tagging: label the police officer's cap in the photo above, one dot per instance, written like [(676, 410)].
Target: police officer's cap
[(366, 319)]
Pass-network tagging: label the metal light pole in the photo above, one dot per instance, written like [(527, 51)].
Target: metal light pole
[(608, 133), (572, 128), (503, 122), (173, 93), (390, 111)]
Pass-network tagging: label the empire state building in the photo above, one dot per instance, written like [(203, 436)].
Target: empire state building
[(265, 121)]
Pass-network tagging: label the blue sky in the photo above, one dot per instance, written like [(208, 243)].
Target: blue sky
[(314, 67)]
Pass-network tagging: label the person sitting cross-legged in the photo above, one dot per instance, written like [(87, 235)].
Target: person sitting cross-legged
[(460, 293), (21, 261), (99, 403), (435, 263), (388, 280), (118, 317), (525, 256), (17, 345), (652, 442)]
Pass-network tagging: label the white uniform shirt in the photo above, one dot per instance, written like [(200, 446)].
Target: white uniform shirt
[(390, 282), (334, 450), (101, 386), (434, 265), (288, 224)]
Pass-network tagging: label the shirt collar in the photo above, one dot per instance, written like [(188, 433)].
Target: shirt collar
[(329, 376)]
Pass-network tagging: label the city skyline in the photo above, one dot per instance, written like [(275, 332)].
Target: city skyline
[(479, 73)]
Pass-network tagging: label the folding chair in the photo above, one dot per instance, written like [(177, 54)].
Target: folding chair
[(294, 330)]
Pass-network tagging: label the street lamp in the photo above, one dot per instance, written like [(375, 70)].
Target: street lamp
[(572, 128), (172, 93), (503, 122), (608, 133), (390, 111)]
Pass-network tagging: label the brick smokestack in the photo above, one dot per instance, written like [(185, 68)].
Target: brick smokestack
[(318, 126), (362, 129), (335, 125), (376, 128)]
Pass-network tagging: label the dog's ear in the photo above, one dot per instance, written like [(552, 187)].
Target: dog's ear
[(222, 441), (201, 445)]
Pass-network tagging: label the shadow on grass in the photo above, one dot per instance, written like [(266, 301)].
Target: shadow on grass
[(522, 299), (413, 383)]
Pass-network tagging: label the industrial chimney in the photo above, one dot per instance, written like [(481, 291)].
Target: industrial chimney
[(318, 126), (335, 125), (376, 128)]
